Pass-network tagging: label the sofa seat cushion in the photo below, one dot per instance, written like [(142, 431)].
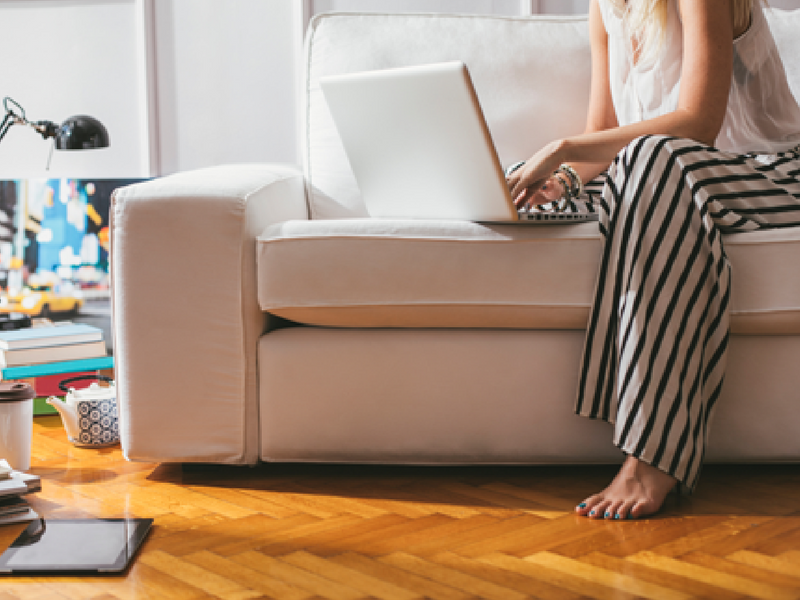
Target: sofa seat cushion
[(458, 274), (428, 273)]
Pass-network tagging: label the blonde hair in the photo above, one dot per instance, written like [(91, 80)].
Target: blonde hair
[(646, 22)]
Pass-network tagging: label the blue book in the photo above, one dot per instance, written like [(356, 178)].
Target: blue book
[(41, 337), (71, 366)]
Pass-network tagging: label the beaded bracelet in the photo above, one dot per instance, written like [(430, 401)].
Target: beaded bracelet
[(576, 186), (562, 203)]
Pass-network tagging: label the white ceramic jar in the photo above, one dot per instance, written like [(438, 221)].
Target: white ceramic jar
[(16, 423)]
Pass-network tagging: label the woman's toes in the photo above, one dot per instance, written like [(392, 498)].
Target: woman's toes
[(624, 511), (599, 511), (612, 512), (637, 511), (643, 508), (585, 507)]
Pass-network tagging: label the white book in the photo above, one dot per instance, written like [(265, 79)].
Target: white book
[(33, 356), (13, 487), (31, 481), (38, 337), (19, 482), (29, 515)]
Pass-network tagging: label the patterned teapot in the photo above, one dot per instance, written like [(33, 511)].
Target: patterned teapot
[(89, 415)]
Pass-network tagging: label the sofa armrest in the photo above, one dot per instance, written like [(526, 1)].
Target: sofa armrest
[(185, 313)]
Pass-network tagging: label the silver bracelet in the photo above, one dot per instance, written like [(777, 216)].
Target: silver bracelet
[(562, 203), (576, 185)]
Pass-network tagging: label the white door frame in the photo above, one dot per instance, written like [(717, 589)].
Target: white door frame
[(150, 159)]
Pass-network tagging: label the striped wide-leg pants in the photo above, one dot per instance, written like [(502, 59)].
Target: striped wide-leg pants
[(654, 359)]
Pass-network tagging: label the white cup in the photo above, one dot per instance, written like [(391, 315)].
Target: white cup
[(16, 426)]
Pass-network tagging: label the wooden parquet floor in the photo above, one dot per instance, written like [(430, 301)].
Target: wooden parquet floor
[(347, 532)]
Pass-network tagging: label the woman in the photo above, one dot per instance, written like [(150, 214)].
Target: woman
[(691, 109)]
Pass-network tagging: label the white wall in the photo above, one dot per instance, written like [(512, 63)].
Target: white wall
[(499, 7), (223, 76), (225, 81)]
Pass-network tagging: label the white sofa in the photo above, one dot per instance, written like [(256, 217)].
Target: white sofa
[(259, 314)]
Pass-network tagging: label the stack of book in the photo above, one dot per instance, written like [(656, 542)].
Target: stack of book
[(14, 485), (59, 343), (47, 353)]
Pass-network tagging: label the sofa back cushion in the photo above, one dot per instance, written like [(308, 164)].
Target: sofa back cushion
[(531, 74)]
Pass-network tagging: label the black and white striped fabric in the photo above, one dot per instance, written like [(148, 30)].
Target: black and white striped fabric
[(654, 359)]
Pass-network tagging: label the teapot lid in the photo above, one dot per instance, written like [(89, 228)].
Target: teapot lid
[(93, 392), (15, 391)]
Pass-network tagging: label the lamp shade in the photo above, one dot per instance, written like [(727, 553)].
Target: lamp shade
[(81, 132)]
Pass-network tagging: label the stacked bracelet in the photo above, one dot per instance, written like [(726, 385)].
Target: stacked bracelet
[(561, 204), (573, 186), (576, 185)]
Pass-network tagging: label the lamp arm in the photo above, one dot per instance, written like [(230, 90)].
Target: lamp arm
[(46, 129), (5, 126), (11, 118)]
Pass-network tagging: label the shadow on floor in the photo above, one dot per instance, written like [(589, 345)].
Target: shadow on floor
[(723, 489)]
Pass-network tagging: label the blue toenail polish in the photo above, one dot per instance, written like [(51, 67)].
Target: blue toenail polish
[(617, 516), (582, 505), (591, 514), (608, 514), (630, 516)]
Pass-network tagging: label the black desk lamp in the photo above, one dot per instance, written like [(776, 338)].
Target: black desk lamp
[(76, 133)]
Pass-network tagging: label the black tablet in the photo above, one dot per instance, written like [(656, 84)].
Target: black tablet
[(75, 546)]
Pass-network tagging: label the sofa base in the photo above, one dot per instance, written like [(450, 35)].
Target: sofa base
[(423, 396)]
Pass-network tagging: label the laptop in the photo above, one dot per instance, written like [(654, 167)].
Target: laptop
[(419, 146)]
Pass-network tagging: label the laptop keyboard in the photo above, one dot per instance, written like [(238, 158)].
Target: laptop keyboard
[(553, 216)]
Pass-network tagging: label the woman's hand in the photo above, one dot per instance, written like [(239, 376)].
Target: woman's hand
[(552, 190), (534, 182)]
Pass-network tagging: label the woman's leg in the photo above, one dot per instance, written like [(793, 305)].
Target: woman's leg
[(655, 354)]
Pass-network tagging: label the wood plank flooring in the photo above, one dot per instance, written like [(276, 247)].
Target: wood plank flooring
[(309, 531)]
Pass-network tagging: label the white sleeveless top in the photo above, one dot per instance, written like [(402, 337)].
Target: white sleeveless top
[(762, 117)]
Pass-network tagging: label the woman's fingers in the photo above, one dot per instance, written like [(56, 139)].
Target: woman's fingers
[(549, 190), (525, 186), (519, 193), (514, 183), (525, 181), (521, 201)]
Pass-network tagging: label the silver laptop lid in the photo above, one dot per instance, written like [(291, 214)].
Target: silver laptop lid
[(418, 144)]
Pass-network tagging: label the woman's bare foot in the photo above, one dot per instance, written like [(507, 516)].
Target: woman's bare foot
[(638, 490)]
